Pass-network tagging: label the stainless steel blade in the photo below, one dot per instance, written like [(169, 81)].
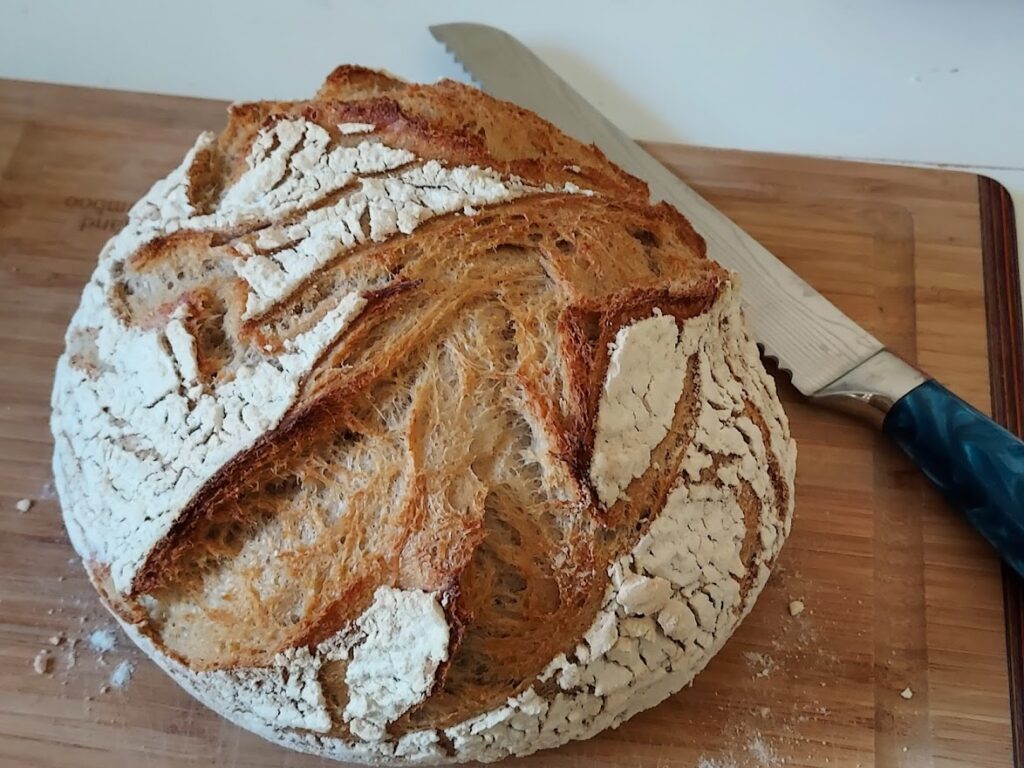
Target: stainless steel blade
[(794, 323)]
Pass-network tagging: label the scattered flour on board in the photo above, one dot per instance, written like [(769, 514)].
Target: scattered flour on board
[(122, 674), (707, 762), (751, 750), (761, 664), (103, 640), (762, 751)]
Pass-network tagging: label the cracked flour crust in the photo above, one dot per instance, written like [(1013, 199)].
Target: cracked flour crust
[(143, 434), (644, 382), (142, 426), (671, 603), (137, 428), (675, 599)]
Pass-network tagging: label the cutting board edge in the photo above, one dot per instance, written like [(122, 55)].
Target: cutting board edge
[(1006, 380)]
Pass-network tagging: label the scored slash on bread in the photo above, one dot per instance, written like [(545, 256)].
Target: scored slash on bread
[(407, 356)]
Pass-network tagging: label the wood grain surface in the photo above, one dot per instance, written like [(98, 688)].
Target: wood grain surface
[(899, 593)]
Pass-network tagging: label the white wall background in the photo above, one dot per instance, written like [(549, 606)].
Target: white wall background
[(920, 81)]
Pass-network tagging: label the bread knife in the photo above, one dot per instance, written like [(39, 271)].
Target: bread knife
[(976, 464)]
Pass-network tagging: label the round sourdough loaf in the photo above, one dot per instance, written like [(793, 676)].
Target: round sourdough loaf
[(398, 427)]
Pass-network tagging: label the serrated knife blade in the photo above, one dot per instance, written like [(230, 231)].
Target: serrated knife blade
[(794, 323), (974, 462)]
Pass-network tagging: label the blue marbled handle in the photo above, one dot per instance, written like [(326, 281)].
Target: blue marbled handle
[(978, 465)]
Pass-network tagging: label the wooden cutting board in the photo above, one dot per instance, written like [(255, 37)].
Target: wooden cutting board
[(899, 593)]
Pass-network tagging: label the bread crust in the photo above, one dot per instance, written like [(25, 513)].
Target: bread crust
[(406, 355)]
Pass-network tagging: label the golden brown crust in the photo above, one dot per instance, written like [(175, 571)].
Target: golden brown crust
[(350, 82)]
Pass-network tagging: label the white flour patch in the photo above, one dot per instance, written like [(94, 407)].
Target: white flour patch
[(645, 379), (348, 129), (103, 640), (393, 668), (122, 674)]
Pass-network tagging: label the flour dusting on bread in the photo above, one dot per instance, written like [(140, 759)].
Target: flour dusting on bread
[(399, 427), (644, 381), (404, 639)]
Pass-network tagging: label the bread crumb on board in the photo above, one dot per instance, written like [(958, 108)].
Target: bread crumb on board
[(906, 693), (43, 662), (23, 505), (796, 607), (71, 652)]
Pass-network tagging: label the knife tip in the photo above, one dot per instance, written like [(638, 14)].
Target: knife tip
[(440, 33)]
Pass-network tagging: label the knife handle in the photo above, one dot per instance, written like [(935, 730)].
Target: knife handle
[(976, 464)]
